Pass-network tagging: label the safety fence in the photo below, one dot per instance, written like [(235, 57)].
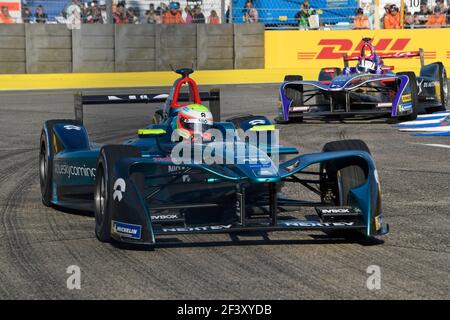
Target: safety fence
[(274, 14)]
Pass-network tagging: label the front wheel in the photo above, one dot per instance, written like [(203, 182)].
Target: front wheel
[(104, 185), (414, 97)]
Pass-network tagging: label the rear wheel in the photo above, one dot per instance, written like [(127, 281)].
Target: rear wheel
[(444, 86), (414, 97), (45, 170), (48, 147), (157, 117)]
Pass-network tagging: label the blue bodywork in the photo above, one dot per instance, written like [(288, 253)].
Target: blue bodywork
[(361, 92), (235, 188)]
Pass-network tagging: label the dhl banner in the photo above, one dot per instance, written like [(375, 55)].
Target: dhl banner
[(306, 52)]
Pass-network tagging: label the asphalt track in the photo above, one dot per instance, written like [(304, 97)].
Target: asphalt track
[(37, 244)]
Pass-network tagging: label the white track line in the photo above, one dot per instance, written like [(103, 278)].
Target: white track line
[(431, 129), (443, 113), (435, 145), (409, 123)]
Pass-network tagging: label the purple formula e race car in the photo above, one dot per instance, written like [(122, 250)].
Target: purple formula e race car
[(370, 89)]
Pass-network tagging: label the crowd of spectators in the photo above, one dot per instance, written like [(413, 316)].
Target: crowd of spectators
[(76, 12), (427, 17)]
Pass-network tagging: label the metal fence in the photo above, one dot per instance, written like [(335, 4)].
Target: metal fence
[(274, 14)]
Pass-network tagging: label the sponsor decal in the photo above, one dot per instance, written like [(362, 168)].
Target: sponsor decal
[(338, 210), (69, 171), (257, 121), (406, 98), (200, 228), (384, 105), (127, 230), (406, 106), (165, 217), (119, 188), (336, 48), (315, 224), (72, 127), (430, 84)]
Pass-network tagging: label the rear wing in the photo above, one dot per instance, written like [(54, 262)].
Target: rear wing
[(80, 100), (395, 55)]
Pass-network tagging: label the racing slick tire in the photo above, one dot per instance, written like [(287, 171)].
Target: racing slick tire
[(47, 149), (344, 177), (444, 86), (104, 182), (157, 117), (414, 97), (295, 95)]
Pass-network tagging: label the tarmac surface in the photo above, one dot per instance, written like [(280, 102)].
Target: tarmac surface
[(38, 244)]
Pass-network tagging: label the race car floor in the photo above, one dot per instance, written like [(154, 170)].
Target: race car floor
[(38, 244)]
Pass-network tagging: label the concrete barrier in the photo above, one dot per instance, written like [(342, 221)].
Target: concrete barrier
[(215, 47), (48, 48), (93, 48), (248, 46), (134, 47), (176, 46), (12, 49)]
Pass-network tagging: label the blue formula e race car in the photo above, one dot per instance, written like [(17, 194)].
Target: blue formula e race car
[(140, 191), (370, 89)]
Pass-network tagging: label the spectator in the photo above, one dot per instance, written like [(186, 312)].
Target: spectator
[(251, 15), (173, 15), (392, 19), (5, 16), (132, 18), (119, 16), (213, 18), (40, 15), (198, 16), (95, 15), (303, 15), (421, 17), (360, 21), (408, 19), (188, 14), (441, 5), (27, 15), (73, 14), (437, 19), (227, 15), (103, 11), (386, 12), (150, 14), (158, 15)]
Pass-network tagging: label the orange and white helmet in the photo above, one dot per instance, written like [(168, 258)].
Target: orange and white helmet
[(194, 119)]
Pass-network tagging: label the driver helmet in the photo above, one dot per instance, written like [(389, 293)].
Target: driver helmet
[(194, 120), (367, 65)]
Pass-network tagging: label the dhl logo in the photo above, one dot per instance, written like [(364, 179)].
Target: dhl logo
[(336, 48)]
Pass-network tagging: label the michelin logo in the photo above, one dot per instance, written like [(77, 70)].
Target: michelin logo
[(127, 230)]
